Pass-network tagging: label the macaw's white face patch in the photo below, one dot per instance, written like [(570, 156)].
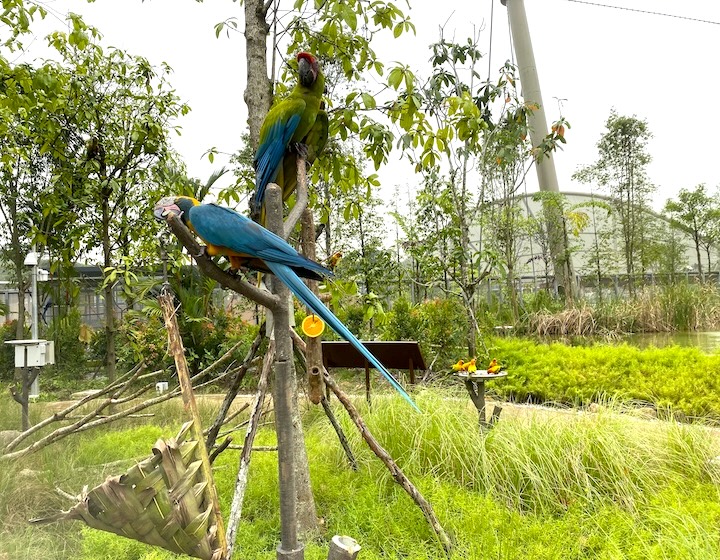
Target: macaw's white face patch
[(165, 207)]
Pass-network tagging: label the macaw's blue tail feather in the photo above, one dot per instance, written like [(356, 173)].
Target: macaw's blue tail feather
[(303, 293)]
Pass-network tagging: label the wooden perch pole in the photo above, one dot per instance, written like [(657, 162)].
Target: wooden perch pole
[(290, 547), (313, 354), (301, 199), (176, 349)]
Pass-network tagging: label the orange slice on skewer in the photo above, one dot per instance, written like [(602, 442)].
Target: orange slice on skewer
[(313, 326)]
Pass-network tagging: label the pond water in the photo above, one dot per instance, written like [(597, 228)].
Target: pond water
[(708, 341)]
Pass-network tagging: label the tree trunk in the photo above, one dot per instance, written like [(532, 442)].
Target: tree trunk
[(697, 254), (258, 97), (110, 357), (21, 375), (258, 92), (709, 265)]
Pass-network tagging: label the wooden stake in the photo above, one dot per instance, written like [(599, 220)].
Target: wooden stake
[(241, 480), (343, 548)]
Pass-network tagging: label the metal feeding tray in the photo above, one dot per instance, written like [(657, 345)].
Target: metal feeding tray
[(480, 375)]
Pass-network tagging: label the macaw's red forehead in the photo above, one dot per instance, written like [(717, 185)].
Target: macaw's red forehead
[(307, 56)]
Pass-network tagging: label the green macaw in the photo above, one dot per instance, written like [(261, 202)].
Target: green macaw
[(315, 141), (286, 130)]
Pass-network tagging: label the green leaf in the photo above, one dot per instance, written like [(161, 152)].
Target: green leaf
[(368, 101), (395, 78)]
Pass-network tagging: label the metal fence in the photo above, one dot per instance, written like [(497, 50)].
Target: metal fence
[(90, 304), (590, 287)]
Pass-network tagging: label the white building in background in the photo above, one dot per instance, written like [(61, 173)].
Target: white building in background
[(531, 266)]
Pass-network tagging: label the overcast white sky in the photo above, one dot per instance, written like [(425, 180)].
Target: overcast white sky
[(662, 69)]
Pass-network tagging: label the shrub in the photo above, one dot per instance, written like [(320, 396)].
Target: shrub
[(142, 336), (445, 337), (70, 352), (7, 352), (683, 379), (404, 322)]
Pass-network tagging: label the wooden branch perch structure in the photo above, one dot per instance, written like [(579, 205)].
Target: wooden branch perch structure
[(112, 394), (391, 465), (232, 392), (302, 348), (177, 350), (242, 476)]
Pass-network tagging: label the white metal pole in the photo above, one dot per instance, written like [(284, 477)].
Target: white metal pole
[(547, 177), (545, 167), (35, 387)]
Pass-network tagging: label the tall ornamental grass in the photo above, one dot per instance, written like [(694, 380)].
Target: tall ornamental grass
[(541, 461), (541, 484), (674, 307)]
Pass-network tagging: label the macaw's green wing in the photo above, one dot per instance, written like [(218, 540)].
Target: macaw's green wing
[(315, 140), (276, 133)]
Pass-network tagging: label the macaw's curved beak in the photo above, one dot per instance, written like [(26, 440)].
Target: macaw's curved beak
[(165, 207), (307, 72)]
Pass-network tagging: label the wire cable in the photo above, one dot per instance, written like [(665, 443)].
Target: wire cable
[(645, 12)]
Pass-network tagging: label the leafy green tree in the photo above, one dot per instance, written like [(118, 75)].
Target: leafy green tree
[(601, 255), (672, 258), (710, 240), (696, 212), (116, 115), (459, 212), (327, 29), (621, 168), (17, 17), (28, 130), (503, 164), (359, 235), (26, 100)]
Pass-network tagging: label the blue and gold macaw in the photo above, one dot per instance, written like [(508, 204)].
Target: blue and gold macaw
[(289, 128), (228, 233), (211, 223)]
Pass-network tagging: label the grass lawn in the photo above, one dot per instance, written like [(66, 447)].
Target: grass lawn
[(542, 484)]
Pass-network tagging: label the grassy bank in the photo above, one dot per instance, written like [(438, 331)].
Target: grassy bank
[(540, 485), (680, 378)]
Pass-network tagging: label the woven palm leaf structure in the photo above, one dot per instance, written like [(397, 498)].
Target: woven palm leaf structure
[(162, 501)]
